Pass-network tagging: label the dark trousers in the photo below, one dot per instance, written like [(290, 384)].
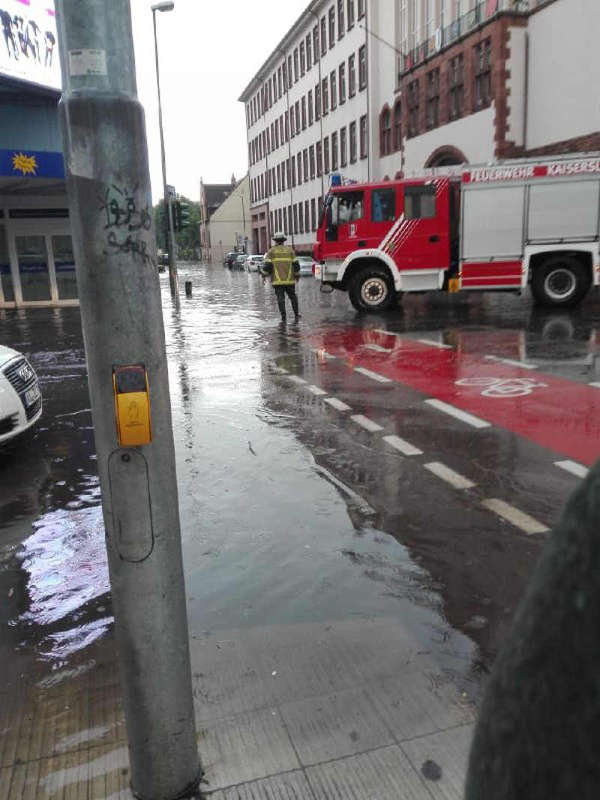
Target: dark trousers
[(280, 293)]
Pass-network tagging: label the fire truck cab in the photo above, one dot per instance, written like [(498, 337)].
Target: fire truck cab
[(499, 227)]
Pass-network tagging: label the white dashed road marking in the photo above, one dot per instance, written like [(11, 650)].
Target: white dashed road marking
[(403, 446), (449, 475), (387, 333), (296, 379), (323, 354), (316, 390), (377, 348), (517, 518), (595, 384), (433, 343), (573, 467), (366, 423), (470, 419), (373, 375), (337, 404), (279, 370), (512, 362)]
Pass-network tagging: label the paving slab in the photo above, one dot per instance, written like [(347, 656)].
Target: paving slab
[(384, 774), (246, 747), (442, 756), (290, 786)]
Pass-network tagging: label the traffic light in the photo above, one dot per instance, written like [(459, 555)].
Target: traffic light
[(181, 212)]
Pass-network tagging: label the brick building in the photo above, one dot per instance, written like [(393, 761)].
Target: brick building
[(477, 81), (398, 85)]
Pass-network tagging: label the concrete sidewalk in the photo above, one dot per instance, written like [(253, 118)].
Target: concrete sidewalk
[(297, 711)]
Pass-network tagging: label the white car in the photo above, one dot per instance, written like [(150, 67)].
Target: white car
[(20, 396), (306, 265), (254, 263)]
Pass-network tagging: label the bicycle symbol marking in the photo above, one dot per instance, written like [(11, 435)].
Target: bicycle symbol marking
[(503, 387)]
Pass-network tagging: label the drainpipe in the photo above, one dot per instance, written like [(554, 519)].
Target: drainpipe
[(367, 23), (316, 16), (526, 94), (289, 143)]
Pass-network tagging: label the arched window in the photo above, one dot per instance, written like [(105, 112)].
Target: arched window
[(385, 131), (397, 126)]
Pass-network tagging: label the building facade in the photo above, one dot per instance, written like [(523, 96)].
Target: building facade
[(399, 85), (307, 117), (229, 225)]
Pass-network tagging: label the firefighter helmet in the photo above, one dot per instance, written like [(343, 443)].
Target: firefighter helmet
[(279, 236)]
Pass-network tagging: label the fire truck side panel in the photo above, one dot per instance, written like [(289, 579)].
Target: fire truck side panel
[(561, 211), (492, 237)]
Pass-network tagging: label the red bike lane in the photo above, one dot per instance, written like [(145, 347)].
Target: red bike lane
[(554, 412)]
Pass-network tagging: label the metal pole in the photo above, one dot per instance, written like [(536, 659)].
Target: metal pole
[(111, 219), (172, 243)]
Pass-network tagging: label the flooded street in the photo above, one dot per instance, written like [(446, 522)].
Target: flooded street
[(363, 499)]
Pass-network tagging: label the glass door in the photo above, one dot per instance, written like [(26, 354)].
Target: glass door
[(64, 266), (32, 257), (6, 282)]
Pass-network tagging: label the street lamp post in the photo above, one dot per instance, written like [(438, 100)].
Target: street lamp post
[(171, 244)]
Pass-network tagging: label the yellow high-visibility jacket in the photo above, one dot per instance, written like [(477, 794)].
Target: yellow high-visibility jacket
[(283, 259)]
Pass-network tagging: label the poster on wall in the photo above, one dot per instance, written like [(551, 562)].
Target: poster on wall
[(28, 42)]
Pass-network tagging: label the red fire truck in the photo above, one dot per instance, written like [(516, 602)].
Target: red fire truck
[(498, 227)]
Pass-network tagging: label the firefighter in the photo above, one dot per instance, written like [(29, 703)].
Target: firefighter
[(283, 267)]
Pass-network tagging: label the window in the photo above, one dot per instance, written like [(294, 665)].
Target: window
[(319, 159), (343, 147), (433, 98), (362, 67), (295, 218), (351, 76), (352, 142), (300, 218), (308, 53), (287, 126), (310, 107), (311, 158), (290, 74), (385, 132), (302, 59), (306, 216), (333, 88), (293, 163), (317, 102), (305, 164), (341, 24), (284, 75), (279, 81), (295, 65), (398, 125), (325, 96), (361, 8), (334, 151), (456, 87), (419, 202), (323, 36), (316, 43), (299, 163), (350, 207), (292, 123), (326, 155), (297, 110), (350, 14), (383, 205), (483, 74), (364, 137), (331, 27), (413, 108), (283, 176), (342, 82), (313, 215), (303, 113)]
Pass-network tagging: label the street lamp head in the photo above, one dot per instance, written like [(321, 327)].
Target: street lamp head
[(163, 7)]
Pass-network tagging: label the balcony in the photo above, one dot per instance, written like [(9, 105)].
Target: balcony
[(483, 11)]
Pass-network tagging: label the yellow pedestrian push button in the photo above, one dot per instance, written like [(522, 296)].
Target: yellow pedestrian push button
[(132, 405)]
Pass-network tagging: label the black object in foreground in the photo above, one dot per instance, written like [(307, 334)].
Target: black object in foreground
[(538, 731)]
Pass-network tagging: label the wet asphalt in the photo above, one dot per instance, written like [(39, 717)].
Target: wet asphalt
[(292, 511)]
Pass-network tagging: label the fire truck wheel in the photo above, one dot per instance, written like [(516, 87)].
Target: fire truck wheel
[(560, 281), (371, 290)]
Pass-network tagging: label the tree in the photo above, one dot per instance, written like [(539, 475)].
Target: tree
[(188, 240)]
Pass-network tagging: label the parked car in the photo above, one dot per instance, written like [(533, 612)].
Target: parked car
[(240, 261), (229, 259), (20, 396), (254, 263), (306, 265)]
